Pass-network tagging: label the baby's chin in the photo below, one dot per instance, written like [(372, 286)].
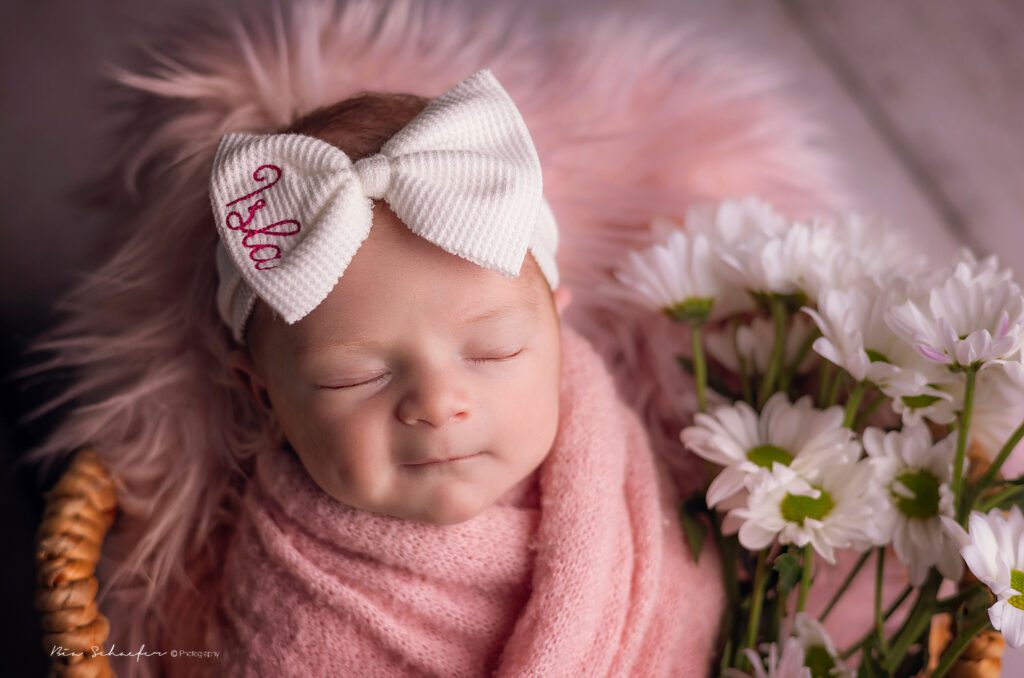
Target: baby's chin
[(452, 502), (450, 499)]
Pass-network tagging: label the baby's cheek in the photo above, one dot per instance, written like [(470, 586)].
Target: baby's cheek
[(343, 454), (361, 448), (530, 414)]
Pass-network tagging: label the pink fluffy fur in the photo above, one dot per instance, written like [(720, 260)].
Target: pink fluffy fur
[(631, 118)]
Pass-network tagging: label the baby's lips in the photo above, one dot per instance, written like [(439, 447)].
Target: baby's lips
[(434, 459)]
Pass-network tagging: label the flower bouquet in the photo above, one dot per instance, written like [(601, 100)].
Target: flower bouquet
[(850, 396)]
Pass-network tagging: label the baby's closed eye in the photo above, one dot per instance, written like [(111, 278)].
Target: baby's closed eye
[(351, 379), (496, 355)]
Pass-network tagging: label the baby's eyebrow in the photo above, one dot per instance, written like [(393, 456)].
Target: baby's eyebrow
[(307, 349), (523, 305), (526, 304)]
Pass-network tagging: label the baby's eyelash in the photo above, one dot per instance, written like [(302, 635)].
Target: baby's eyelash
[(381, 377), (498, 359), (369, 382)]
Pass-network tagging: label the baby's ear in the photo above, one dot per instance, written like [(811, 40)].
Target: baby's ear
[(242, 366), (563, 297)]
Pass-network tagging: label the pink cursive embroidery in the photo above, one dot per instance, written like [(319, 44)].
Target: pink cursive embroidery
[(236, 222), (258, 176)]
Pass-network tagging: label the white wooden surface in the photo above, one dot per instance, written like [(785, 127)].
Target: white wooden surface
[(942, 81)]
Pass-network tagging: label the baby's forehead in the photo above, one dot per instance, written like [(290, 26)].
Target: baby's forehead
[(391, 249), (395, 272)]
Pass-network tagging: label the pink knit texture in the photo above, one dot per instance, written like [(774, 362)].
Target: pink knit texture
[(593, 581)]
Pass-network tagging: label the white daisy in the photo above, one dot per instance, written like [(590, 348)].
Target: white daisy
[(760, 249), (819, 651), (828, 513), (912, 476), (856, 337), (753, 343), (793, 435), (786, 264), (915, 397), (675, 277), (938, 396), (789, 665), (987, 269), (974, 316), (994, 551), (734, 221), (873, 248)]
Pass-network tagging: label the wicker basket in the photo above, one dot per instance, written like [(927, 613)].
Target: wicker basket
[(79, 511)]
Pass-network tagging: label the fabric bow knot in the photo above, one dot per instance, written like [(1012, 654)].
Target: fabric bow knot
[(292, 210)]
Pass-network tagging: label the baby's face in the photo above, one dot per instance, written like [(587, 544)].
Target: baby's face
[(415, 356)]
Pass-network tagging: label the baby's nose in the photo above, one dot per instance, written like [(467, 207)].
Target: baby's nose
[(435, 407)]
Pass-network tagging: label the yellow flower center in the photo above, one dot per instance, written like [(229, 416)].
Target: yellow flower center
[(689, 310), (919, 401), (764, 455), (1017, 584), (925, 487), (796, 508), (819, 661)]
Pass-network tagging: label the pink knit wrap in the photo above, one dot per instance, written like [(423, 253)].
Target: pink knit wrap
[(594, 579)]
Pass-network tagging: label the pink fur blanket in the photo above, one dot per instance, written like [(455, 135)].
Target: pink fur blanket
[(592, 579)]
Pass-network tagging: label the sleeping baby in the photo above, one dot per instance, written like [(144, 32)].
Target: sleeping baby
[(457, 489)]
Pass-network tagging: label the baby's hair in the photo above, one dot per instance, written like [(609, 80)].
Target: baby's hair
[(362, 123)]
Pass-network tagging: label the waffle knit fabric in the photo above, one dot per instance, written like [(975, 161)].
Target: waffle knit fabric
[(588, 576), (291, 210)]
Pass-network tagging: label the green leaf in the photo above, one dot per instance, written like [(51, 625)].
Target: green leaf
[(789, 568), (693, 528)]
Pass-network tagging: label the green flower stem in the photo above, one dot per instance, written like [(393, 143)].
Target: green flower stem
[(748, 396), (962, 429), (778, 350), (950, 604), (758, 598), (992, 471), (999, 497), (868, 411), (916, 624), (778, 611), (833, 391), (805, 577), (879, 627), (846, 654), (960, 644), (845, 585), (854, 403), (798, 359), (727, 549), (828, 372), (700, 367)]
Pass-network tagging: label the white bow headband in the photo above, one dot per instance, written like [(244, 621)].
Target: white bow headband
[(463, 174)]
